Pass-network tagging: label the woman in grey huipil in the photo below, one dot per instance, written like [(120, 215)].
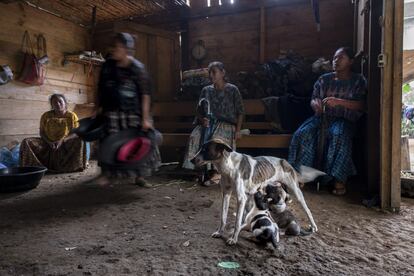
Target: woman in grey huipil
[(226, 107)]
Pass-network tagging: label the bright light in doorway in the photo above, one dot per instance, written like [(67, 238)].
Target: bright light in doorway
[(208, 3), (220, 2), (231, 1)]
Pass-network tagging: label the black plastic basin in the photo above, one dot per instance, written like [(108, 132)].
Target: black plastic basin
[(91, 129), (20, 178)]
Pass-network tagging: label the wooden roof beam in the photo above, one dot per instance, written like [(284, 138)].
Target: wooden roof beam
[(169, 16), (53, 11), (241, 8)]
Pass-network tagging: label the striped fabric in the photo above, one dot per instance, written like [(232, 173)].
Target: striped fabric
[(338, 147)]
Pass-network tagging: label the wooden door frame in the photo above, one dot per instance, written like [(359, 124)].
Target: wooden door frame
[(390, 104), (373, 74)]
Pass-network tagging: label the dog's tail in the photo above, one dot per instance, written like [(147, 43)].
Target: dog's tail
[(308, 174)]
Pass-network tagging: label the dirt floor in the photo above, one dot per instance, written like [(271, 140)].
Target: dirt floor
[(67, 227)]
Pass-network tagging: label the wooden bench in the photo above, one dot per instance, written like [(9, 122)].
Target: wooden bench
[(174, 120)]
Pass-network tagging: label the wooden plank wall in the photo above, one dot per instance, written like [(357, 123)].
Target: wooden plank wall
[(157, 49), (234, 37), (22, 105)]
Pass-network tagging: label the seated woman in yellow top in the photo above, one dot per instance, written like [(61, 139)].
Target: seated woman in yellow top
[(56, 149)]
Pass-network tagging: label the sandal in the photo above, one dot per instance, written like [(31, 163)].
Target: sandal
[(339, 189), (215, 178), (207, 183)]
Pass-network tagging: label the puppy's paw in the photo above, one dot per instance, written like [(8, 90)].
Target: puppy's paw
[(313, 228), (231, 241), (217, 234)]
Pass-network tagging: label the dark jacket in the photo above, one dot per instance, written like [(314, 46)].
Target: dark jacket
[(122, 88)]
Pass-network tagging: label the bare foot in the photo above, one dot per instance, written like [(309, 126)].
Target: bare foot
[(102, 181), (140, 181)]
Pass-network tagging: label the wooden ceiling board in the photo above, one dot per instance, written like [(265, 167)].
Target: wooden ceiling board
[(80, 11)]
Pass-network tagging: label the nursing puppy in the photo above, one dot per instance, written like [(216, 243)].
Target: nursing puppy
[(277, 198), (260, 223), (245, 174)]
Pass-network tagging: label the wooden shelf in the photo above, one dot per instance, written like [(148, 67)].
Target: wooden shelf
[(83, 61)]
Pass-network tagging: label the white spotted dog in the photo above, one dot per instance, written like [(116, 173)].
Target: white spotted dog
[(245, 174), (260, 223)]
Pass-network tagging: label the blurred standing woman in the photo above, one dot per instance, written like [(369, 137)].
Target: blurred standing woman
[(340, 97), (227, 110), (124, 99), (56, 149)]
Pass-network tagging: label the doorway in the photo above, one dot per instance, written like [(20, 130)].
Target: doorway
[(407, 112)]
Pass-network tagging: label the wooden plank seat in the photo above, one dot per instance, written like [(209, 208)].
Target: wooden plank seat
[(174, 120), (170, 125), (252, 107), (247, 141)]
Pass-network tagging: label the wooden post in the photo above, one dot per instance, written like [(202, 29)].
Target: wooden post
[(262, 48), (93, 21), (372, 140), (198, 4), (390, 129), (356, 25), (405, 154), (397, 102), (214, 3), (185, 45), (153, 63)]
